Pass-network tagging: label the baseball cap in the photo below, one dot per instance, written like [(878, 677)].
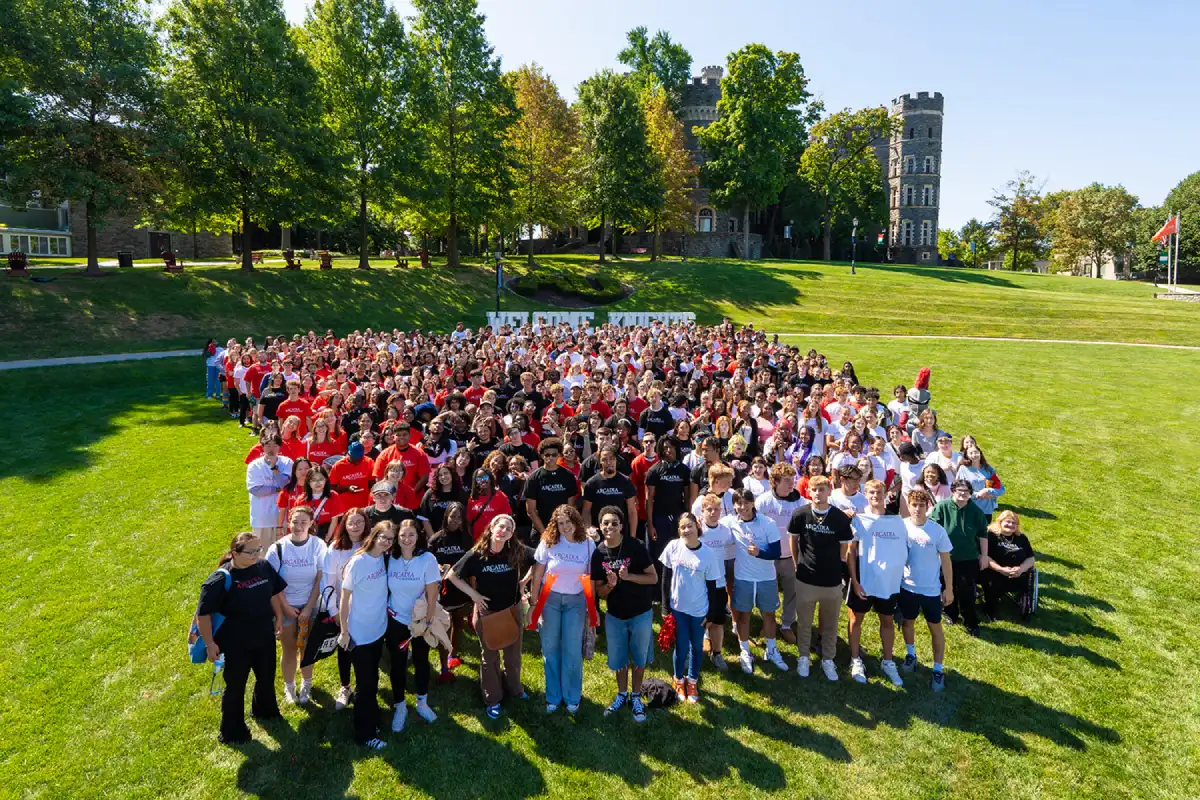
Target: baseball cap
[(355, 451)]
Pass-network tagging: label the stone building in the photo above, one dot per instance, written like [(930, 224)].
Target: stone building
[(912, 162), (116, 233)]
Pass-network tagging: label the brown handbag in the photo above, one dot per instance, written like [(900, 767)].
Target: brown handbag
[(498, 630)]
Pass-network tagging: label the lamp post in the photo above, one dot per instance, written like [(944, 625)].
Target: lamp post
[(853, 243)]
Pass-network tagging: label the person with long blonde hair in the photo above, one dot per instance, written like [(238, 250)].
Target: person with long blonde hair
[(1010, 565)]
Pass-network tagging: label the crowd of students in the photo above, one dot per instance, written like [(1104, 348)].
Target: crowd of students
[(511, 479)]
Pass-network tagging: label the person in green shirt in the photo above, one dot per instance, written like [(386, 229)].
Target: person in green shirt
[(967, 526)]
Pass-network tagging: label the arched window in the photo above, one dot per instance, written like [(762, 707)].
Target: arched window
[(706, 221)]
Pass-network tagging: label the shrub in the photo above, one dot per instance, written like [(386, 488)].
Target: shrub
[(598, 289)]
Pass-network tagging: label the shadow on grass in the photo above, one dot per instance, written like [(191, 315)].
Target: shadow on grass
[(1065, 562), (981, 277), (1032, 513), (1076, 599)]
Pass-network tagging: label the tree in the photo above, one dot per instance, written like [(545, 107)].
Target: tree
[(1018, 216), (614, 182), (79, 109), (657, 61), (543, 138), (1185, 200), (242, 95), (467, 117), (1087, 224), (753, 145), (979, 234), (839, 163), (676, 172), (363, 66)]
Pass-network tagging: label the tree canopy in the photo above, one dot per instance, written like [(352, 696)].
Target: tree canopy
[(657, 61)]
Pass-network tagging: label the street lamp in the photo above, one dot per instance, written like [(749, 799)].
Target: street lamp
[(853, 243), (500, 273)]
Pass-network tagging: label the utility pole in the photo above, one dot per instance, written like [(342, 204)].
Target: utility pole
[(853, 244)]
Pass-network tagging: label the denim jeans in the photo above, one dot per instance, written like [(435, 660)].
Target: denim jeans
[(563, 619), (212, 386), (689, 645)]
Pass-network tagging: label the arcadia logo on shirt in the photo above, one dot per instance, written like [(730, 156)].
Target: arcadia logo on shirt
[(554, 487), (250, 584)]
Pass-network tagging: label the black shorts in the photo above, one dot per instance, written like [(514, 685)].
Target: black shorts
[(911, 604), (884, 606)]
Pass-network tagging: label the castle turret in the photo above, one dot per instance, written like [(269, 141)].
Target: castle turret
[(914, 164)]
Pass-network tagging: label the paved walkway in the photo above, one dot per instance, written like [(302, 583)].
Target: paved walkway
[(106, 359)]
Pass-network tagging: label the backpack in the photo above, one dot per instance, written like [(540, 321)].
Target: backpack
[(197, 648)]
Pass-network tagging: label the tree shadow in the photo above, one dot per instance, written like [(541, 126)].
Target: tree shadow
[(1074, 598), (948, 275), (1065, 562)]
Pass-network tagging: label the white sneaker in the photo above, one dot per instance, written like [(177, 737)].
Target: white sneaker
[(289, 692), (889, 669), (376, 744), (858, 670), (830, 669), (343, 698), (802, 666), (776, 658), (425, 712), (305, 693), (747, 662), (399, 717)]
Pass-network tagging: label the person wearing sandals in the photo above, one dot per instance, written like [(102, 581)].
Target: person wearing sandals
[(246, 639), (297, 558), (624, 575), (449, 545), (411, 572), (362, 615), (347, 538), (695, 578), (563, 559), (490, 574)]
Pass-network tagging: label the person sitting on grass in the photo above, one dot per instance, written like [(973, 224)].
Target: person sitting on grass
[(928, 570)]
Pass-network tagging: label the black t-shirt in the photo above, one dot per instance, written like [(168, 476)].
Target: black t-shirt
[(550, 490), (658, 422), (494, 576), (591, 466), (481, 450), (449, 548), (700, 475), (434, 504), (818, 544), (685, 448), (394, 515), (523, 449), (270, 400), (249, 618), (1009, 551), (601, 491), (627, 599), (670, 481), (514, 489)]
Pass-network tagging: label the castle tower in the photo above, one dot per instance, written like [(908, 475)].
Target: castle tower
[(914, 168)]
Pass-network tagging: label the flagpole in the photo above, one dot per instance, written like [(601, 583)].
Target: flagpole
[(1178, 233)]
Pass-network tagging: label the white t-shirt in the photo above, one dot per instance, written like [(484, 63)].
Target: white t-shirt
[(926, 543), (264, 513), (726, 508), (691, 568), (570, 561), (882, 552), (332, 565), (406, 581), (759, 486), (948, 465), (298, 565), (719, 538), (779, 510), (366, 580), (759, 531), (856, 502), (910, 475)]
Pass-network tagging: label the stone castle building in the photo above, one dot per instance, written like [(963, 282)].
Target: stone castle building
[(912, 162)]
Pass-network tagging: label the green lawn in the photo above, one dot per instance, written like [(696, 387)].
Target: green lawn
[(146, 309), (115, 511)]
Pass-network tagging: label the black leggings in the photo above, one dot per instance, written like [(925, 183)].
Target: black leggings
[(344, 662), (966, 573), (397, 635), (244, 408), (995, 586), (239, 663), (365, 658)]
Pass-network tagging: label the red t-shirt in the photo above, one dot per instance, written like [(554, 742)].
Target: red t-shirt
[(636, 406), (482, 510), (253, 377), (641, 465), (416, 465), (300, 408), (406, 497), (319, 451), (474, 394), (345, 474), (602, 408), (333, 507)]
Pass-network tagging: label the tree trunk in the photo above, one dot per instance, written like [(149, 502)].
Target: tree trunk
[(195, 245), (770, 230), (363, 263), (93, 262), (452, 244), (247, 264), (477, 251), (603, 229), (656, 246), (531, 243), (1016, 250), (746, 232), (285, 237), (826, 236), (615, 238)]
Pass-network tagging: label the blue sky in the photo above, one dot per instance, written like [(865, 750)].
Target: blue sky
[(1073, 91)]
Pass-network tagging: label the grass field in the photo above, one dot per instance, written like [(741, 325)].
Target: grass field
[(146, 309), (117, 504)]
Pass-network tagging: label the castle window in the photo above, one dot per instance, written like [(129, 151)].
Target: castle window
[(910, 164), (925, 256), (908, 195), (928, 163), (932, 196), (706, 221), (926, 195), (732, 225), (906, 233), (925, 236), (910, 133), (931, 133), (894, 193)]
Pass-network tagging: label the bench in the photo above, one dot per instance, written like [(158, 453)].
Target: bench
[(290, 257), (639, 251), (170, 264), (326, 260), (18, 265), (256, 258)]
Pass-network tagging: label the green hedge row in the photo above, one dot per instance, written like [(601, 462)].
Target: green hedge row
[(598, 289)]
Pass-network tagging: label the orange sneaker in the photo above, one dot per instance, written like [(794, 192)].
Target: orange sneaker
[(680, 692), (693, 692)]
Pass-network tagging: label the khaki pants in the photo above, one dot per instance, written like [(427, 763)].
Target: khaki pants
[(829, 601), (785, 575), (266, 537), (496, 682)]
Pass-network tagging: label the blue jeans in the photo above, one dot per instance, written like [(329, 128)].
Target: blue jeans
[(689, 645), (628, 640), (563, 619), (212, 386)]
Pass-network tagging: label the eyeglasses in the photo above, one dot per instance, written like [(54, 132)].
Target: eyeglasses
[(386, 539), (253, 552)]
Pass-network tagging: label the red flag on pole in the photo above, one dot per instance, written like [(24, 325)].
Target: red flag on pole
[(1172, 226)]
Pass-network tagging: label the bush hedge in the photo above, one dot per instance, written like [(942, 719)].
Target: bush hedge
[(597, 289)]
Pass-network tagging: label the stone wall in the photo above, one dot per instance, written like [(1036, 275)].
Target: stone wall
[(119, 233)]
